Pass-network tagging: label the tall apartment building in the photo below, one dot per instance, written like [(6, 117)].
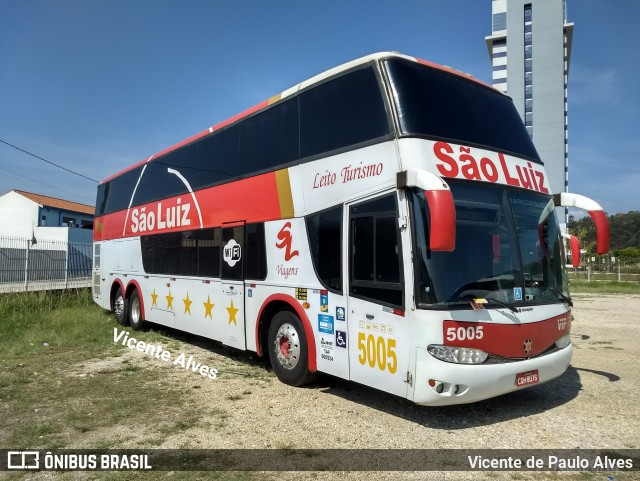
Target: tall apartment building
[(530, 47)]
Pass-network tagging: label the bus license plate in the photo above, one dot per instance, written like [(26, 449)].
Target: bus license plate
[(526, 378)]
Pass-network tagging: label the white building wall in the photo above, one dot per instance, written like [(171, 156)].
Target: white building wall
[(21, 217), (50, 238), (18, 215)]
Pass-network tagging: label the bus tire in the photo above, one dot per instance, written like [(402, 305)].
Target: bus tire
[(288, 351), (135, 311), (120, 308)]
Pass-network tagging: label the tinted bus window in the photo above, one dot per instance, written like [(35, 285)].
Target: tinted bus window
[(325, 240), (115, 194), (342, 112), (207, 161), (218, 156), (256, 265), (188, 253), (269, 138), (375, 258), (437, 104), (159, 182)]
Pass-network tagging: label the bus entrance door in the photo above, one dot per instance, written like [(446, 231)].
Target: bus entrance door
[(378, 334), (231, 312)]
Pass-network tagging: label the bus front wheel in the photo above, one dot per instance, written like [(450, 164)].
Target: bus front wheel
[(120, 307), (288, 351)]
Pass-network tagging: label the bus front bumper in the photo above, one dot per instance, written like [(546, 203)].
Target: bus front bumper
[(463, 383)]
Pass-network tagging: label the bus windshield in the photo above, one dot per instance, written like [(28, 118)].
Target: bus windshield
[(435, 104), (508, 249)]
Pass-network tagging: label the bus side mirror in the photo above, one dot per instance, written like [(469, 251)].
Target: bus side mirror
[(575, 249), (596, 212), (442, 210)]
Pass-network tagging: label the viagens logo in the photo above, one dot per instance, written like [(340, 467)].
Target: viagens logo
[(286, 239)]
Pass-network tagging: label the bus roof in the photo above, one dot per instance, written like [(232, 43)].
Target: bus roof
[(290, 91)]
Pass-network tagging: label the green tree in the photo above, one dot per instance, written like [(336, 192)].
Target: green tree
[(628, 254), (624, 233)]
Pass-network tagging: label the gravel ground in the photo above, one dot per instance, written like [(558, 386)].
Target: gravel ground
[(593, 405)]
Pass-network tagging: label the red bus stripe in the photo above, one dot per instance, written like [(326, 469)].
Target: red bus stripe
[(254, 199), (507, 340)]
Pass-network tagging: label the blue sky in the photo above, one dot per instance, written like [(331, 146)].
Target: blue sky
[(98, 85)]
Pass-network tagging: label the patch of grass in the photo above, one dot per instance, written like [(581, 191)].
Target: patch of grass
[(33, 323), (217, 417), (185, 422), (54, 408), (605, 287), (81, 391), (42, 405)]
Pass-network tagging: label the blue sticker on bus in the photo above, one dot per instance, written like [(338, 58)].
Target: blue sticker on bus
[(324, 301), (325, 323), (517, 293), (341, 339), (340, 313)]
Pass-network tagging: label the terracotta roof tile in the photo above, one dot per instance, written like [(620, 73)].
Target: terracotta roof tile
[(61, 204)]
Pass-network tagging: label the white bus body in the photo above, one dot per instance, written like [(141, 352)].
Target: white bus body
[(419, 265)]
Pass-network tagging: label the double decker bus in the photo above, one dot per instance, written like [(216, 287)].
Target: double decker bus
[(388, 221)]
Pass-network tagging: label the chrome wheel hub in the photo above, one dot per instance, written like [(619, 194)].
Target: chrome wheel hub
[(118, 306), (135, 310), (287, 346)]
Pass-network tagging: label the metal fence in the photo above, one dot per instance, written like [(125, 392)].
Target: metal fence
[(619, 274), (41, 264)]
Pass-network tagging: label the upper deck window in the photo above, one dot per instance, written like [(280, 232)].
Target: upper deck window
[(342, 113), (438, 105)]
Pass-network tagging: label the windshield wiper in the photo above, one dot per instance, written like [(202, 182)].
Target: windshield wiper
[(552, 290), (503, 304), (566, 299)]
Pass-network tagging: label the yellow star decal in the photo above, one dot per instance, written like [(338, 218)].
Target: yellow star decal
[(169, 300), (187, 304), (207, 307), (232, 313), (154, 298)]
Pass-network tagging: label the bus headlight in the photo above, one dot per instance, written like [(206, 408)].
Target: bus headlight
[(564, 341), (458, 355)]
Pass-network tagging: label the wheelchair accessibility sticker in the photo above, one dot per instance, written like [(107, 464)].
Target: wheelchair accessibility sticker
[(517, 293)]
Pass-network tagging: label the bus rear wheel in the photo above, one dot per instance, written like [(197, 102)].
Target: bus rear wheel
[(135, 311), (120, 307), (288, 349)]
